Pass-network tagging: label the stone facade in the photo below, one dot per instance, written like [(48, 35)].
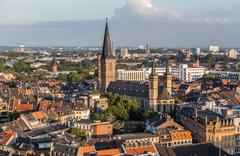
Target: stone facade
[(206, 126)]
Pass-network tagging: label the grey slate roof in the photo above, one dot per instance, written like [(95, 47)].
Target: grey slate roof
[(136, 89)]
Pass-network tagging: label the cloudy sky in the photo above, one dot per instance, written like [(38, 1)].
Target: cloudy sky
[(164, 23)]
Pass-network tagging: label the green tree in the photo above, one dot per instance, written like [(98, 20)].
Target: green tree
[(117, 124), (22, 77), (62, 77), (123, 108), (149, 113), (15, 54), (225, 66), (209, 76), (209, 58), (1, 65), (77, 76), (78, 132), (119, 111), (147, 63), (42, 75), (21, 66), (14, 115), (177, 101)]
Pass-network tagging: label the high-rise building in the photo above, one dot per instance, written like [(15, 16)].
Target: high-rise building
[(197, 51), (232, 53), (124, 53), (148, 49), (107, 67)]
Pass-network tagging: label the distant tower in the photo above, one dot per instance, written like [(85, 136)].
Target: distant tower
[(198, 62), (107, 69), (113, 47), (168, 78), (148, 49), (153, 88), (54, 65)]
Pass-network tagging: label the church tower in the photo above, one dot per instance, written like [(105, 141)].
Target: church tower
[(168, 78), (153, 88), (54, 65), (107, 64)]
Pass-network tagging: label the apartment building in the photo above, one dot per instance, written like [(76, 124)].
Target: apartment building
[(95, 128)]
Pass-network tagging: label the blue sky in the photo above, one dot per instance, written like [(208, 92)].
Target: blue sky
[(165, 23)]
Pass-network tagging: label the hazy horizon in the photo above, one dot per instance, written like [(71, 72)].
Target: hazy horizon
[(164, 23)]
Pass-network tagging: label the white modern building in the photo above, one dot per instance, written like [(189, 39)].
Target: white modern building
[(132, 75), (197, 51), (214, 48), (232, 53), (183, 72), (187, 73), (124, 53)]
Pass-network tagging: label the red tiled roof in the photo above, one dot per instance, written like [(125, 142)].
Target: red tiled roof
[(25, 91), (52, 84), (6, 137), (47, 104), (140, 150), (24, 107), (183, 135), (88, 149), (39, 115), (109, 152)]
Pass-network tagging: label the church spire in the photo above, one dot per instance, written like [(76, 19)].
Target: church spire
[(107, 49)]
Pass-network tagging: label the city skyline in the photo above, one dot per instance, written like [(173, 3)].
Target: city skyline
[(134, 22)]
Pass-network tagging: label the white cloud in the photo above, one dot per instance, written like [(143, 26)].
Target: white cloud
[(145, 9)]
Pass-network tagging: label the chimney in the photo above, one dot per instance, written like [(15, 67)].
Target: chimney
[(206, 119), (196, 112)]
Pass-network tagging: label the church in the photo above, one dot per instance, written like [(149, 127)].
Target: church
[(149, 94)]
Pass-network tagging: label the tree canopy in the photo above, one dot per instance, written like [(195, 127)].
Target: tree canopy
[(21, 66), (42, 75), (77, 76), (78, 132), (1, 65), (121, 109)]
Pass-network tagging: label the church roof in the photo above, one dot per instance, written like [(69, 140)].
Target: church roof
[(128, 88), (163, 94), (136, 89)]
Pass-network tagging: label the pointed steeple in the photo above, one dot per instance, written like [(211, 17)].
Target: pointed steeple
[(54, 62), (107, 49), (167, 67), (154, 67)]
